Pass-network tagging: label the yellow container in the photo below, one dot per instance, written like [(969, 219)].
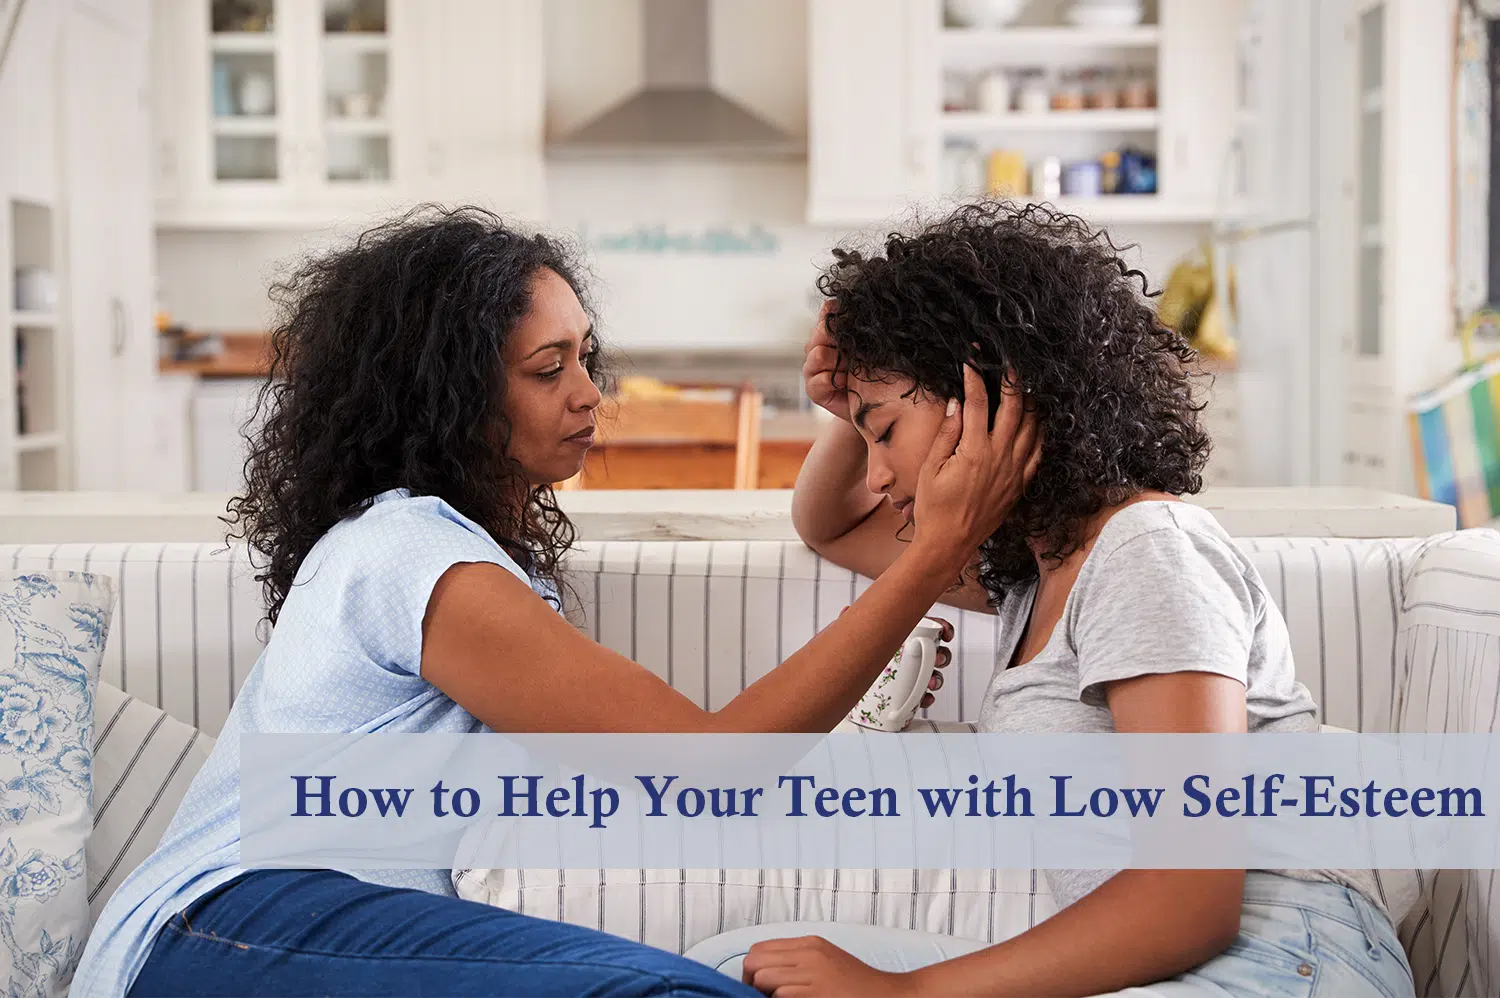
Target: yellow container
[(1007, 174)]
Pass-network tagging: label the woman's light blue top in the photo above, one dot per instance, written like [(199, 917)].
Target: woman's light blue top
[(345, 657)]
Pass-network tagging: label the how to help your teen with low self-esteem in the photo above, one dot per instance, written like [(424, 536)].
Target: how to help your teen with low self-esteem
[(1253, 795)]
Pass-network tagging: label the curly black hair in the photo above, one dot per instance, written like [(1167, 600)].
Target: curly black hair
[(1029, 293), (386, 373)]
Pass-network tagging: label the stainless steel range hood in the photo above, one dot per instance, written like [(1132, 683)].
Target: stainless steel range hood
[(678, 113)]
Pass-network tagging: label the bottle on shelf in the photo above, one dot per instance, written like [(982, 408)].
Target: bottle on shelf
[(1007, 174), (1033, 95), (1046, 178)]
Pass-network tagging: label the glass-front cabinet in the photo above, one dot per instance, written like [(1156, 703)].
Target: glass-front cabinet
[(303, 112), (300, 99)]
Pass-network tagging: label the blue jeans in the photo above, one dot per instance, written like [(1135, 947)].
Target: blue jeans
[(1298, 939), (316, 932)]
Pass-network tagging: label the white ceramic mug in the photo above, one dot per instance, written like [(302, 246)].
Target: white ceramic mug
[(891, 703)]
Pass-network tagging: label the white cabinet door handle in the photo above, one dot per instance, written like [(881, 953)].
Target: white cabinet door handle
[(119, 327)]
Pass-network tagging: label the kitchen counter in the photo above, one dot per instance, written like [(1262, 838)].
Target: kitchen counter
[(98, 517), (245, 355)]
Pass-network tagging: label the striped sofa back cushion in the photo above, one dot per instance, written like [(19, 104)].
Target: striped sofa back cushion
[(1449, 654), (187, 627), (711, 617)]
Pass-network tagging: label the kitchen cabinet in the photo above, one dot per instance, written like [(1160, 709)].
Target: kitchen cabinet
[(79, 392), (108, 248), (883, 129), (304, 112), (871, 90)]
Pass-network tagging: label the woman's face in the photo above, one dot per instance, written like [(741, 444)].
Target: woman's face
[(549, 397), (899, 425)]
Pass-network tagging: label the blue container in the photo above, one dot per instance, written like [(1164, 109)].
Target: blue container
[(1083, 179)]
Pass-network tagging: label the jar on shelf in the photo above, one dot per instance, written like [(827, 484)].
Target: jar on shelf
[(1101, 88), (995, 92), (1033, 92), (1082, 179), (1109, 178), (963, 169), (957, 92), (1046, 178), (1067, 95), (1007, 174), (1138, 89)]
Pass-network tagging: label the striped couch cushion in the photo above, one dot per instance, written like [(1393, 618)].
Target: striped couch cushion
[(711, 617), (1449, 657), (187, 627), (144, 760)]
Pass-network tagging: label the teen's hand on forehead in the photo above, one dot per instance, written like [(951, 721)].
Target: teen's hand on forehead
[(825, 384), (974, 475)]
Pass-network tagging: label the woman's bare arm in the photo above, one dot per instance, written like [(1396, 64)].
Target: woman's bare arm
[(512, 661)]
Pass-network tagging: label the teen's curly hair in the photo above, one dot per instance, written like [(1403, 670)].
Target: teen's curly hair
[(1035, 292), (386, 373)]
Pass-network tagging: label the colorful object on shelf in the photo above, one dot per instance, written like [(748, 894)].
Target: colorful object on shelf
[(1137, 172), (1007, 174), (1083, 179), (1189, 305), (1455, 446), (1455, 435)]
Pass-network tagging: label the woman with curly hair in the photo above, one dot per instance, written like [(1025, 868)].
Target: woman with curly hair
[(429, 384), (1122, 608)]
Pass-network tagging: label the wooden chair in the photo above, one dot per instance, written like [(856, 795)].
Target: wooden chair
[(675, 443)]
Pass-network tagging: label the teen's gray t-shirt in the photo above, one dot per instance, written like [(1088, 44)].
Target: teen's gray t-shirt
[(1163, 590)]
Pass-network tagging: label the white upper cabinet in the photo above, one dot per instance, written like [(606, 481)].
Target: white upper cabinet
[(907, 104), (303, 112), (870, 88)]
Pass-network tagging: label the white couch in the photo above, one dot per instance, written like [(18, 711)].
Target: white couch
[(1393, 635)]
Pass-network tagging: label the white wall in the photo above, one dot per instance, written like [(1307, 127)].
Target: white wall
[(28, 105)]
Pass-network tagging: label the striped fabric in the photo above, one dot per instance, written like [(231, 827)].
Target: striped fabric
[(1456, 444), (711, 617), (144, 760), (1449, 656), (186, 629), (1389, 635)]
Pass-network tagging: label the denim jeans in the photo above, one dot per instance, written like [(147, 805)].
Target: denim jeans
[(1298, 939), (316, 932)]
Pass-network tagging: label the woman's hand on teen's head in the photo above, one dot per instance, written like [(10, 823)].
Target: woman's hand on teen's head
[(974, 475), (824, 383)]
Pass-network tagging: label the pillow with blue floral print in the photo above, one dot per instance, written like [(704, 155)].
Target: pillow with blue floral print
[(52, 631)]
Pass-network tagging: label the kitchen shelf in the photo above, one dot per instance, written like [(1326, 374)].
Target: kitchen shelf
[(1141, 36), (30, 442), (243, 41), (358, 126), (246, 124), (357, 42), (34, 320), (1138, 208), (975, 122)]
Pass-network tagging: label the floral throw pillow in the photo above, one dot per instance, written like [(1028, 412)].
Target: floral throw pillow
[(52, 631)]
